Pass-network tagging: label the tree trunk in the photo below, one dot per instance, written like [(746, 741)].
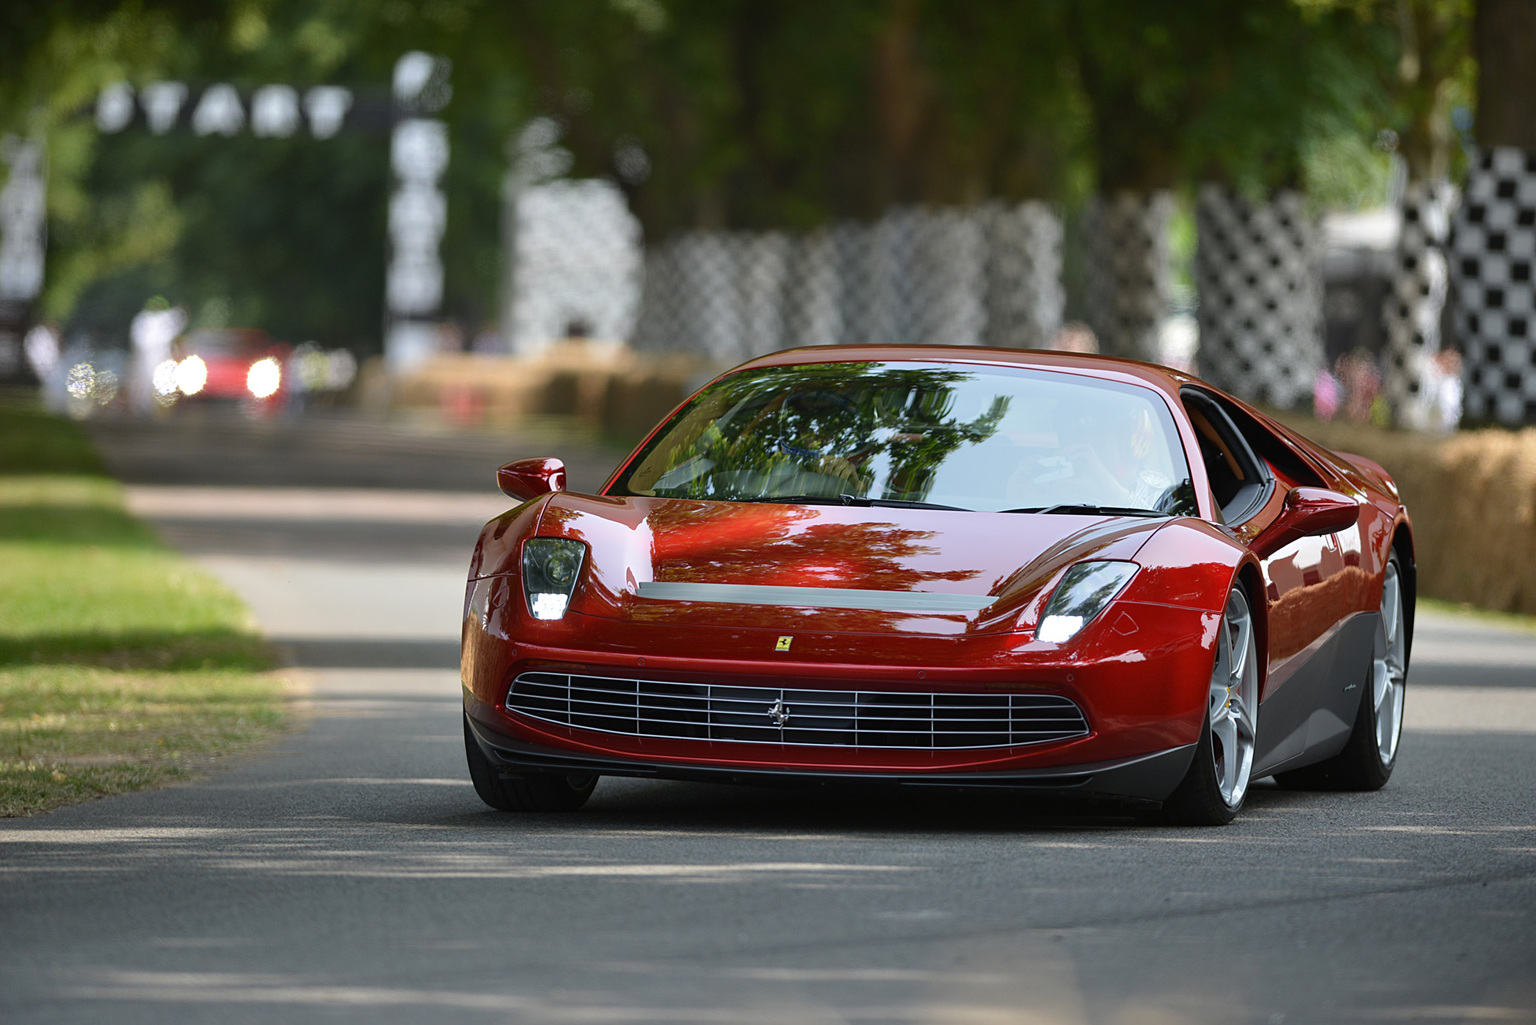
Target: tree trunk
[(1505, 37)]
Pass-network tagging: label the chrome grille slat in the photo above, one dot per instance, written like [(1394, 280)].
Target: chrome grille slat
[(871, 719)]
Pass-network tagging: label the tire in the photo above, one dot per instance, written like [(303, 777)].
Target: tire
[(1371, 752), (533, 792), (1213, 790)]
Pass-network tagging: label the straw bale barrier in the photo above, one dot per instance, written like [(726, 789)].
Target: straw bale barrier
[(602, 384), (1472, 499)]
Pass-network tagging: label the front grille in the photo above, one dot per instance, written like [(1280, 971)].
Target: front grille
[(817, 718)]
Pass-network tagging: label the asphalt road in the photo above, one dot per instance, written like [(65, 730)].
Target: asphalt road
[(347, 872)]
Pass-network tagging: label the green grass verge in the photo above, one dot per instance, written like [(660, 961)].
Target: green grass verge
[(122, 664)]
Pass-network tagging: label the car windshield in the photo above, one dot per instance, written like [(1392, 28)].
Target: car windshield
[(995, 439)]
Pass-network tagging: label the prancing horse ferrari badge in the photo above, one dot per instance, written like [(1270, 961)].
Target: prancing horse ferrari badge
[(784, 643)]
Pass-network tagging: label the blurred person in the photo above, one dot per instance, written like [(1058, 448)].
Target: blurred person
[(1358, 373), (1443, 385), (1075, 336), (1326, 395), (42, 348), (152, 331)]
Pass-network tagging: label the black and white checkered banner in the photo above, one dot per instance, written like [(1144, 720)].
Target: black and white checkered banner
[(1127, 271), (1414, 303), (1257, 272), (1493, 251), (988, 275)]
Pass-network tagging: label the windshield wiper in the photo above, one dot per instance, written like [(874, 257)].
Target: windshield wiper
[(785, 499), (897, 503), (1087, 509)]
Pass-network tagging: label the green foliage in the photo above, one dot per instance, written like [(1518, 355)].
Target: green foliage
[(752, 114)]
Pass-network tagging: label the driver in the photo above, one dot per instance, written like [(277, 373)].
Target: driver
[(1111, 452)]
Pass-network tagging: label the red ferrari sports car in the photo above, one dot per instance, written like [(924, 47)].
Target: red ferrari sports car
[(946, 567)]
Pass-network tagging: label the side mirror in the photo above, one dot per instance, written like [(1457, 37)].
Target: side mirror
[(1308, 512), (530, 478)]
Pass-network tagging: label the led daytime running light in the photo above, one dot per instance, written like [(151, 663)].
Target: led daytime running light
[(551, 567), (1083, 593)]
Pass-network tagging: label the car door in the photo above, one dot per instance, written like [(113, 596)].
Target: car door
[(1303, 706)]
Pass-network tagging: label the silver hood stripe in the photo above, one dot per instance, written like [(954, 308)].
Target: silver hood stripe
[(815, 597)]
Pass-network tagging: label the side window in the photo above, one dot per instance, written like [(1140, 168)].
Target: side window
[(1270, 448), (1240, 483)]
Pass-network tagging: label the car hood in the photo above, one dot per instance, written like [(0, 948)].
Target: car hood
[(853, 568)]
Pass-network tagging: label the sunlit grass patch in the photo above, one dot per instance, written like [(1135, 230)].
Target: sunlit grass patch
[(70, 733), (122, 664)]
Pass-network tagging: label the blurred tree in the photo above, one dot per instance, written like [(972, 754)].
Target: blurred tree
[(1506, 55), (709, 113)]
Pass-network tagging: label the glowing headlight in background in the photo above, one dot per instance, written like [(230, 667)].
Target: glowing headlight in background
[(264, 378), (104, 389), (164, 379), (80, 380), (191, 375), (550, 568), (1082, 594)]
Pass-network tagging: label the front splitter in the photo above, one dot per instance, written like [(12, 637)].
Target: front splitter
[(1150, 777)]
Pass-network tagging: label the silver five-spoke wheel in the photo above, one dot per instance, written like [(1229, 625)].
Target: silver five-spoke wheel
[(1234, 700), (1390, 671), (1217, 781)]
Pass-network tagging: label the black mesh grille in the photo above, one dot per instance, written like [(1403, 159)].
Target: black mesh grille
[(817, 718)]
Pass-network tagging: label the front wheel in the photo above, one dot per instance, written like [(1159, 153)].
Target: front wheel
[(540, 792), (1213, 789)]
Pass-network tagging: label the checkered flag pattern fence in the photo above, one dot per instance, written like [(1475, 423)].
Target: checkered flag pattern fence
[(1127, 271), (576, 261), (984, 276), (1411, 312), (1493, 248), (1257, 274)]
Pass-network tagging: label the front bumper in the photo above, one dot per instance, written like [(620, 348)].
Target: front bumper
[(1147, 777)]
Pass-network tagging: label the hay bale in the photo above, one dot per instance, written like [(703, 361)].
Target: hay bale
[(1472, 498)]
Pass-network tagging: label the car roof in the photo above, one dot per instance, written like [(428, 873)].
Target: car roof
[(1148, 374)]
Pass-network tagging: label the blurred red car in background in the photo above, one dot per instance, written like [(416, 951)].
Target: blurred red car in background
[(231, 364)]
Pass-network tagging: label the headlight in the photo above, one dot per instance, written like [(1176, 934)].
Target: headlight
[(550, 567), (164, 381), (264, 377), (191, 375), (1081, 595)]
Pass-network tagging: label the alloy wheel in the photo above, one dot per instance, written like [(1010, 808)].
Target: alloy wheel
[(1389, 673), (1234, 701)]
